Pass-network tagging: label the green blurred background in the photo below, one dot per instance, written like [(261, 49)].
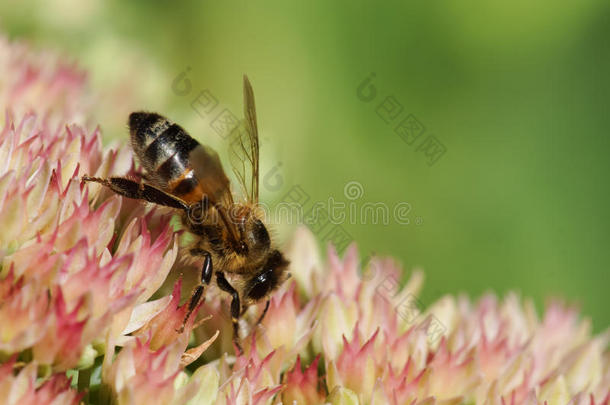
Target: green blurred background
[(517, 93)]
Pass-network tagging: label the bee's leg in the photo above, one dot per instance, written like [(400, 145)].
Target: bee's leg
[(260, 318), (224, 285), (206, 277), (140, 191)]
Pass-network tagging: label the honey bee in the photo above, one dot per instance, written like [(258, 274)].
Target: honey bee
[(230, 237)]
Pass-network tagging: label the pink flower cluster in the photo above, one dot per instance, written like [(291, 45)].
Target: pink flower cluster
[(80, 267), (368, 341), (76, 261)]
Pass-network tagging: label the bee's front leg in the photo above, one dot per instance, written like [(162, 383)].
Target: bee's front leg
[(260, 318), (206, 277), (224, 285)]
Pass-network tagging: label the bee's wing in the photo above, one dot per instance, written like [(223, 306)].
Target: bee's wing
[(214, 184), (244, 148), (211, 176)]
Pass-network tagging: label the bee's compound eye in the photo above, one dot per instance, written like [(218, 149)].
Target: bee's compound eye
[(260, 236), (261, 284)]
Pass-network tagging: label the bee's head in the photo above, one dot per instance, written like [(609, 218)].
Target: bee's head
[(272, 274)]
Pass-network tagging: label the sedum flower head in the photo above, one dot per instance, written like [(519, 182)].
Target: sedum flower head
[(21, 388), (84, 317)]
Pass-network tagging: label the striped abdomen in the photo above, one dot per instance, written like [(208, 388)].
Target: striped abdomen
[(163, 149)]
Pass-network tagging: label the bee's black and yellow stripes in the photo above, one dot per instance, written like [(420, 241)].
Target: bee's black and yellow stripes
[(163, 148)]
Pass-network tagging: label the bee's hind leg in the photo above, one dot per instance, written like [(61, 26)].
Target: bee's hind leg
[(206, 277), (140, 191), (224, 285)]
